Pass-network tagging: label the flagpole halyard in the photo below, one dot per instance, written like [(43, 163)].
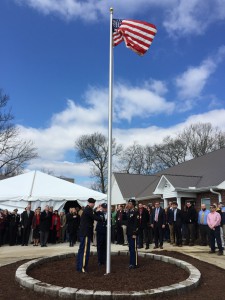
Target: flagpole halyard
[(110, 114)]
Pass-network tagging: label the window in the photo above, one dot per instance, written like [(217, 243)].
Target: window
[(206, 201)]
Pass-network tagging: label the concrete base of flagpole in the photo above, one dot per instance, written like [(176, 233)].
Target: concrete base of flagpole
[(73, 293)]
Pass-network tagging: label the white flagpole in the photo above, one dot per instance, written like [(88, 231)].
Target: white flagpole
[(109, 194)]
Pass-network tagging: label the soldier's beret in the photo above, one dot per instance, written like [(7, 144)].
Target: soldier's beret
[(104, 205), (91, 200)]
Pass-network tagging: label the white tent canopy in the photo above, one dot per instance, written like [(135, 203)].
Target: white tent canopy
[(40, 189)]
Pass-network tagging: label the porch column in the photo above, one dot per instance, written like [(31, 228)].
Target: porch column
[(179, 202), (165, 202)]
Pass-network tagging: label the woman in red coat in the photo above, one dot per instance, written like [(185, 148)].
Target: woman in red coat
[(55, 226)]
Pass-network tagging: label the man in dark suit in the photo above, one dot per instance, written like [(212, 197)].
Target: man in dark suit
[(26, 223), (169, 219), (143, 218), (86, 234), (158, 222), (177, 223), (45, 224), (191, 219)]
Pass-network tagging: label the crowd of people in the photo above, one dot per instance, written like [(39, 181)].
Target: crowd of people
[(39, 227), (155, 225), (188, 226)]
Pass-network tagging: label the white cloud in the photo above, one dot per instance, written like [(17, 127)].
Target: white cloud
[(61, 168), (68, 9), (180, 17), (156, 86), (90, 10), (55, 142), (149, 135), (193, 16), (192, 82), (140, 102), (215, 117), (154, 134)]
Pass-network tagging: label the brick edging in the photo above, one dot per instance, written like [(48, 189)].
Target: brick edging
[(67, 292)]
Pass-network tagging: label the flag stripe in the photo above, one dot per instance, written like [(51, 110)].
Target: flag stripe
[(141, 25), (138, 35), (132, 41), (117, 38), (135, 29)]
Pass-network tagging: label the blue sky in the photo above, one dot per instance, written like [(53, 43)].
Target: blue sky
[(54, 65)]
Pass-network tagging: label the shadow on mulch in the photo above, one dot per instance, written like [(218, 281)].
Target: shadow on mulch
[(211, 286)]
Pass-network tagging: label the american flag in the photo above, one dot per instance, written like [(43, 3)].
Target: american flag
[(137, 35)]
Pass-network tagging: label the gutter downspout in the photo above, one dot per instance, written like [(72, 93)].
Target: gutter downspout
[(214, 192)]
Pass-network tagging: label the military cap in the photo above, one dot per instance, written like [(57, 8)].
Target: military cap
[(104, 205), (132, 201)]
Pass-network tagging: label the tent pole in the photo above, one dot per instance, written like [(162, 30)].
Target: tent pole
[(32, 186)]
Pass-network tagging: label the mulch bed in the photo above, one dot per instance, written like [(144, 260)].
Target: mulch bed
[(151, 274), (119, 279)]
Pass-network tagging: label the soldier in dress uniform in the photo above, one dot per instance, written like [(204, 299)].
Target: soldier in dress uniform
[(132, 230), (101, 229), (86, 233)]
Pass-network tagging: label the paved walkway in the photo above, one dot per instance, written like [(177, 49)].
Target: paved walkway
[(16, 253)]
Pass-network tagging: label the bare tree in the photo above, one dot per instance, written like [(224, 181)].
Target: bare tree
[(202, 138), (138, 159), (170, 153), (47, 171), (131, 159), (93, 148), (220, 138), (194, 141), (14, 152), (150, 162)]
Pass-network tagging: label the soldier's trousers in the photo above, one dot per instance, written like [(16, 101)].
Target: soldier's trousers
[(83, 254), (133, 250), (101, 247)]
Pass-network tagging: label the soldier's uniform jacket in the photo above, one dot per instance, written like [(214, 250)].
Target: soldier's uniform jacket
[(87, 221), (132, 222), (101, 226)]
